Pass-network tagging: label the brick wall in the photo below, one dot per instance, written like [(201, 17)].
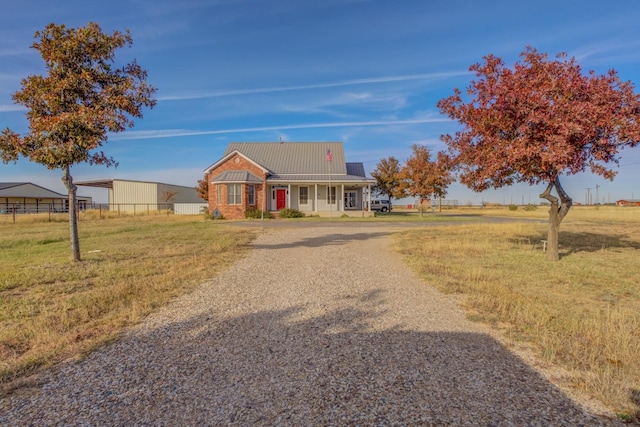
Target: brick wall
[(235, 163)]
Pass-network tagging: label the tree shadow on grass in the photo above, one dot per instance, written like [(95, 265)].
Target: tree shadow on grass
[(572, 242), (286, 367)]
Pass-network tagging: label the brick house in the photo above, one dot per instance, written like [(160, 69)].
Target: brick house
[(308, 176)]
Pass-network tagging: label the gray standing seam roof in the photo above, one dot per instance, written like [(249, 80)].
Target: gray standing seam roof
[(356, 169), (236, 176), (4, 185), (27, 189), (294, 158)]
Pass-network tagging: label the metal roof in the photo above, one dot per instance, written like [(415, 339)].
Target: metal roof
[(27, 189), (108, 183), (4, 185), (288, 158), (101, 183), (318, 178), (356, 169), (237, 176)]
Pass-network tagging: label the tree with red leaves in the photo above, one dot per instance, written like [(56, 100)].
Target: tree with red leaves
[(73, 108), (203, 189), (423, 177), (537, 122)]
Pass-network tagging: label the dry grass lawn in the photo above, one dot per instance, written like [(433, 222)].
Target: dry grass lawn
[(582, 313), (52, 309)]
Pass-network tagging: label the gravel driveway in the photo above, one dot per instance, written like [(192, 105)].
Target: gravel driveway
[(320, 325)]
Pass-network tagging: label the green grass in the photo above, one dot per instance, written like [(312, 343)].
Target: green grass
[(582, 313), (52, 308)]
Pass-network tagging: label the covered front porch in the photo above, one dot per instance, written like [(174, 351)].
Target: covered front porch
[(322, 199)]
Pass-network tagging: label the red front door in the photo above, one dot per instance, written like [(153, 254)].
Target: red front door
[(281, 199)]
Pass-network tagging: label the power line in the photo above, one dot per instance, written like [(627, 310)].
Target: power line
[(629, 164)]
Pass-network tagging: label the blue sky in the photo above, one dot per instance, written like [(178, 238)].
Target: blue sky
[(365, 72)]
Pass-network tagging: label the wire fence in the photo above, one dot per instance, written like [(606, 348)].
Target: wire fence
[(12, 212)]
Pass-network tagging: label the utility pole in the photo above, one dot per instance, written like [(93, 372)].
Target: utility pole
[(588, 196), (597, 194)]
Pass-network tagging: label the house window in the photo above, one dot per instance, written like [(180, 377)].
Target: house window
[(234, 194), (252, 195), (304, 195), (219, 191), (331, 196)]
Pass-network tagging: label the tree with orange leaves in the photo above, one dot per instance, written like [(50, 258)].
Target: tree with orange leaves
[(203, 189), (537, 122), (423, 177), (73, 108)]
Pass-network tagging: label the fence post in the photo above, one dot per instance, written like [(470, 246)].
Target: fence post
[(14, 212)]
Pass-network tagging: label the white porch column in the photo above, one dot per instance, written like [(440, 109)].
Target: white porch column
[(369, 198), (289, 196), (342, 198), (315, 205)]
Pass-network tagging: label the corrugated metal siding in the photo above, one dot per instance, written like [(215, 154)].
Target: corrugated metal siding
[(150, 193), (189, 208), (183, 194), (134, 192)]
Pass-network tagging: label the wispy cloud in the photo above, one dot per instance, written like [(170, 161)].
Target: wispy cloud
[(620, 49), (171, 133), (372, 80), (11, 108)]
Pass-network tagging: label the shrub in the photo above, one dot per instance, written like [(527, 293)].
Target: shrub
[(530, 207), (290, 213), (513, 207), (257, 213)]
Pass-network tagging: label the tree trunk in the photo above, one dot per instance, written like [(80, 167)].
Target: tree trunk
[(557, 212), (552, 233), (73, 215)]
